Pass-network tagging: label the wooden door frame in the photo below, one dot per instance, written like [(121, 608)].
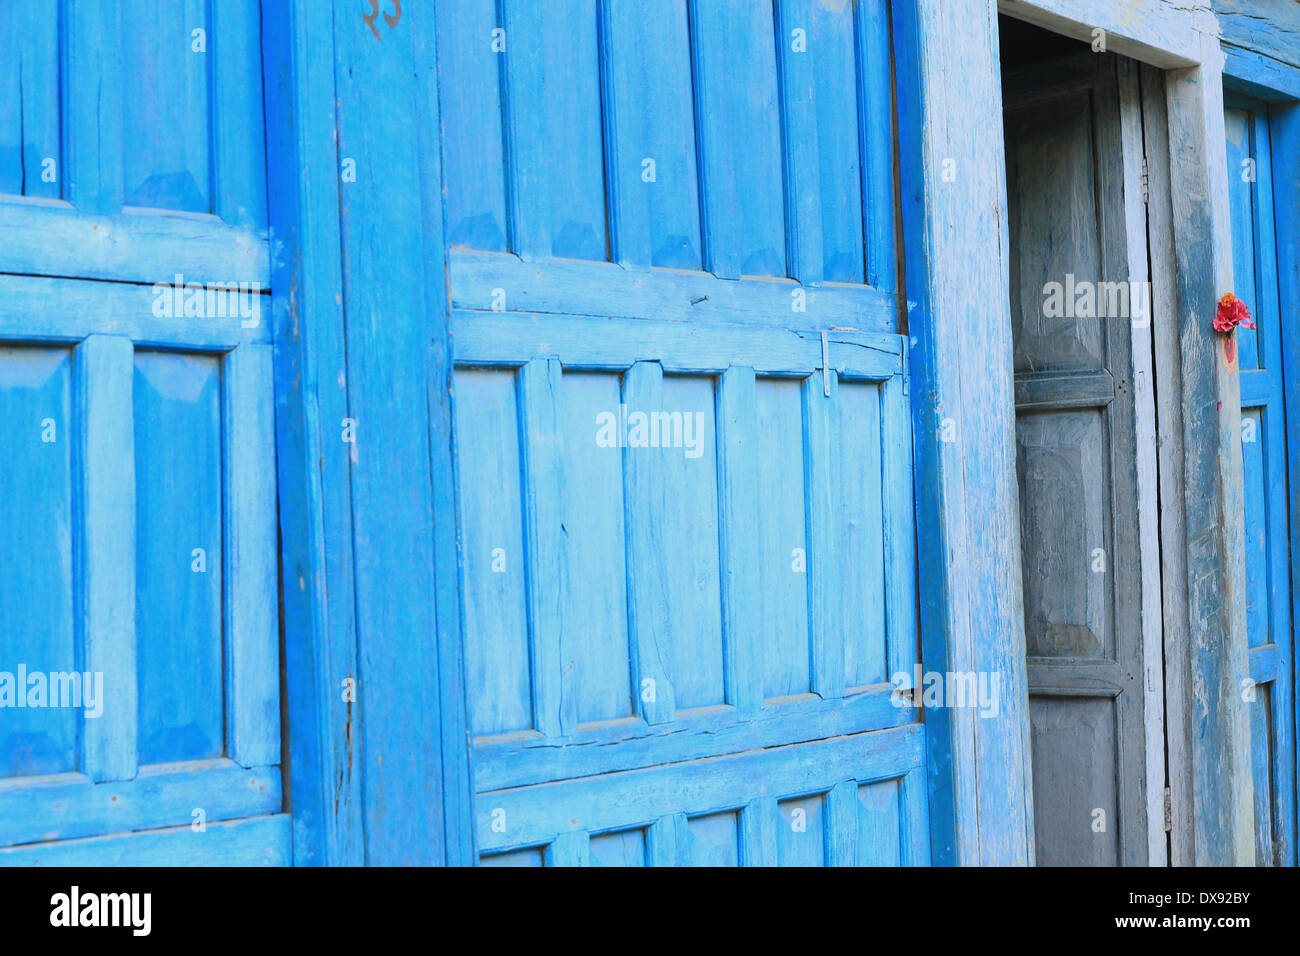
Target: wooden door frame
[(950, 111), (368, 529)]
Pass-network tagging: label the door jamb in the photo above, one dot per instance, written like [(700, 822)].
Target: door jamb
[(971, 612)]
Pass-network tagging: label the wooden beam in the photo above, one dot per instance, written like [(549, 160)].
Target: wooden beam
[(1158, 32), (968, 524), (315, 508), (1222, 787), (362, 373)]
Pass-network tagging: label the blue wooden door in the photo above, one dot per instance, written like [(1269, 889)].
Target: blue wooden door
[(683, 429), (1264, 455), (139, 674)]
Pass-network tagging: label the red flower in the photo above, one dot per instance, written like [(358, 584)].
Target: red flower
[(1232, 313)]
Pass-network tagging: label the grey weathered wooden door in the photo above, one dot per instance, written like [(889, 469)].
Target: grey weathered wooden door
[(1070, 135)]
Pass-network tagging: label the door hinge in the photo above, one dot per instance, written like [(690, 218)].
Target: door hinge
[(907, 365), (1169, 810), (826, 366), (1146, 182)]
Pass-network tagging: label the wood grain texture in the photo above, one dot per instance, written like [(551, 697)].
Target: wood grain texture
[(1268, 27), (108, 629), (971, 611), (1265, 463), (254, 841), (70, 806), (1164, 33), (313, 477), (1222, 789), (1071, 211), (252, 620)]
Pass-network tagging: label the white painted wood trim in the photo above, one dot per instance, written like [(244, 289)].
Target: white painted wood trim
[(1158, 32), (1144, 421)]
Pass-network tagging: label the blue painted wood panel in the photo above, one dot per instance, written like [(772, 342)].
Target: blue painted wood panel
[(599, 634), (736, 137), (31, 155), (36, 558), (165, 115), (145, 505), (1269, 633), (123, 110), (178, 556)]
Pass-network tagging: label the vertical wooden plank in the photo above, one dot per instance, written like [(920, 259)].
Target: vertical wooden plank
[(648, 574), (900, 527), (739, 137), (842, 824), (1173, 550), (800, 152), (784, 656), (592, 569), (654, 211), (179, 546), (252, 623), (1284, 135), (972, 618), (801, 838), (165, 115), (570, 103), (105, 371), (91, 70), (668, 841), (29, 99), (390, 318), (1144, 428), (1276, 702), (494, 556), (456, 785), (915, 836), (880, 828), (569, 849), (1222, 788), (758, 822), (831, 43), (877, 143), (470, 70), (738, 507), (689, 545), (821, 479), (316, 512), (865, 460), (528, 201), (541, 413), (238, 138), (1242, 201), (38, 546)]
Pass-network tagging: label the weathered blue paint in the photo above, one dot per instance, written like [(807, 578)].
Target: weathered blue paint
[(681, 655), (968, 525), (1265, 459), (149, 477), (573, 284), (368, 524)]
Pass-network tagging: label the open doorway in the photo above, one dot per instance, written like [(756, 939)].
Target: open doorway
[(1082, 317)]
